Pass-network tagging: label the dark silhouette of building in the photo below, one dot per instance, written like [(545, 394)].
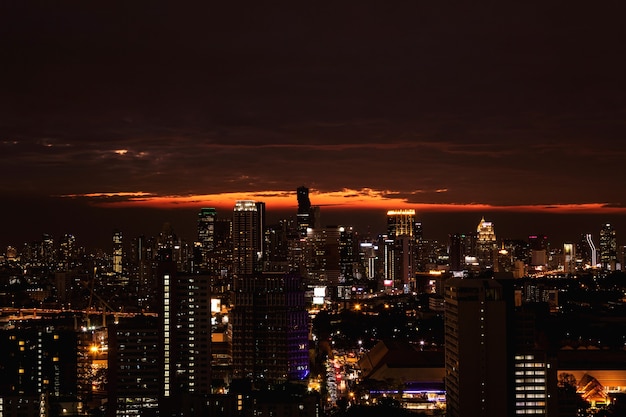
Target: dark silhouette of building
[(270, 328), (38, 366), (160, 364), (304, 216), (476, 351), (134, 367)]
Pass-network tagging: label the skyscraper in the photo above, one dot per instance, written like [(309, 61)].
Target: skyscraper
[(461, 245), (185, 334), (608, 247), (402, 223), (270, 328), (486, 245), (248, 236), (587, 250), (401, 248), (134, 382), (476, 348), (118, 251), (206, 234), (304, 215)]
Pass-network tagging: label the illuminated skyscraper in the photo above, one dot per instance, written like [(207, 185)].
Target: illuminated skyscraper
[(248, 236), (486, 245), (118, 252), (206, 234), (402, 223), (403, 236), (569, 258), (68, 248), (608, 247), (587, 252)]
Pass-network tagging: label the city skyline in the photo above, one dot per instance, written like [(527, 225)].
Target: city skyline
[(132, 116)]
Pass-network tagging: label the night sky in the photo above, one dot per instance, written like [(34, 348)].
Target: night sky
[(130, 114)]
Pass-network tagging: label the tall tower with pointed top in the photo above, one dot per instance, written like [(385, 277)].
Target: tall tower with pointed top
[(485, 243)]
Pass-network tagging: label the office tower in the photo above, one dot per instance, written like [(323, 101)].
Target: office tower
[(206, 234), (270, 328), (304, 215), (401, 248), (400, 262), (118, 250), (588, 252), (248, 237), (402, 223), (46, 248), (476, 348), (321, 256), (221, 260), (608, 247), (277, 243), (347, 251), (485, 243), (68, 250)]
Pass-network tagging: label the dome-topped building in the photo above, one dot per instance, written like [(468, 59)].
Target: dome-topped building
[(486, 245)]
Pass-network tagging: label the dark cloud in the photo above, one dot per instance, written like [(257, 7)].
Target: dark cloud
[(496, 103)]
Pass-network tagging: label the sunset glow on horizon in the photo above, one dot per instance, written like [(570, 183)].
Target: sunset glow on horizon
[(364, 199)]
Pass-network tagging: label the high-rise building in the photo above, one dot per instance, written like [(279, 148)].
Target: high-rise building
[(206, 234), (248, 236), (569, 258), (588, 252), (347, 249), (68, 250), (402, 223), (486, 245), (270, 328), (404, 235), (134, 368), (462, 245), (304, 215), (185, 334), (118, 252), (608, 247), (38, 365), (476, 348), (322, 256), (278, 239)]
